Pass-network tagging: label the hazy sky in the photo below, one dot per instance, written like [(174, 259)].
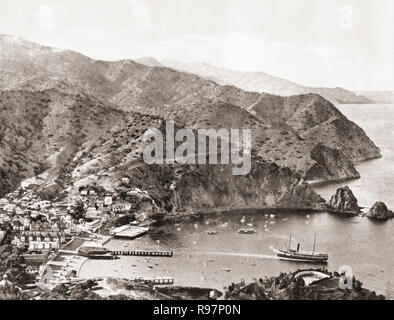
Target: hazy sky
[(348, 43)]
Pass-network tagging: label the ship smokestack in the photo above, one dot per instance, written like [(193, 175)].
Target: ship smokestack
[(298, 247)]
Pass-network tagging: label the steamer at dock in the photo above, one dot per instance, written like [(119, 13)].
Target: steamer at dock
[(95, 251)]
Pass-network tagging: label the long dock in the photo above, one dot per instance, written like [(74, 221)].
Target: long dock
[(156, 280), (139, 280), (143, 253)]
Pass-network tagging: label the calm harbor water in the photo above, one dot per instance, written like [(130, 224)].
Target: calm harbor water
[(217, 260)]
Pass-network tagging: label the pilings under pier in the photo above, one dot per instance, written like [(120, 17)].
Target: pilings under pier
[(154, 281), (143, 253)]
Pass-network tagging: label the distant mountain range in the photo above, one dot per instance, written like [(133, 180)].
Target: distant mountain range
[(72, 121), (378, 96), (257, 81)]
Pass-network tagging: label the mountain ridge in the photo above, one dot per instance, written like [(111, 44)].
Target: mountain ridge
[(379, 96), (257, 81), (128, 90)]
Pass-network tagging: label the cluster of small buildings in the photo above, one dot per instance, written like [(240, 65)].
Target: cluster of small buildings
[(46, 229), (100, 206), (36, 225), (40, 240), (43, 226), (40, 224)]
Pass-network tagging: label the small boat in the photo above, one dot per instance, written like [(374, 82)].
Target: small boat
[(224, 225), (303, 256), (246, 230), (212, 232)]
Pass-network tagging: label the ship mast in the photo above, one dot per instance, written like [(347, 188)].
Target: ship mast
[(314, 245), (290, 243)]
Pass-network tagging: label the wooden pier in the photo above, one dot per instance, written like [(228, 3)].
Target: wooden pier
[(156, 280), (143, 253)]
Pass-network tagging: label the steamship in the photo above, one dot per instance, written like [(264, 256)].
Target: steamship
[(303, 256)]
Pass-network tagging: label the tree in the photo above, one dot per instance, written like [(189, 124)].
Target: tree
[(79, 211)]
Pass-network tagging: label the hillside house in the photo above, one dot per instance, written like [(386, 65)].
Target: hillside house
[(17, 225), (121, 207), (92, 213), (9, 208), (45, 204), (107, 200), (4, 217), (100, 203)]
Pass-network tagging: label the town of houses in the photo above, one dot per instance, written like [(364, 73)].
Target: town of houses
[(41, 227)]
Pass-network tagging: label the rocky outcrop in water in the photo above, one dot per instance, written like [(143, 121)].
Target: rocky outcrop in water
[(344, 201), (380, 211)]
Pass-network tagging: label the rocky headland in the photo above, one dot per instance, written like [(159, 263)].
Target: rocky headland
[(289, 286), (286, 286)]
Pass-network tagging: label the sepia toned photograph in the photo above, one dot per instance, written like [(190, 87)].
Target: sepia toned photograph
[(198, 150)]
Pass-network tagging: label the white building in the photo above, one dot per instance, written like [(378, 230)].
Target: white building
[(108, 201)]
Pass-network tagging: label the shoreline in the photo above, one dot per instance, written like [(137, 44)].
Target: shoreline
[(214, 213), (322, 182), (191, 217)]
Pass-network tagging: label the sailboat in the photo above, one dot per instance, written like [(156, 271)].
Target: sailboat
[(303, 256)]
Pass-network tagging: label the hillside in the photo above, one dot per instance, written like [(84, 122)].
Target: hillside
[(315, 119), (63, 103), (160, 90), (183, 188), (275, 142), (69, 141), (40, 132), (258, 81)]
